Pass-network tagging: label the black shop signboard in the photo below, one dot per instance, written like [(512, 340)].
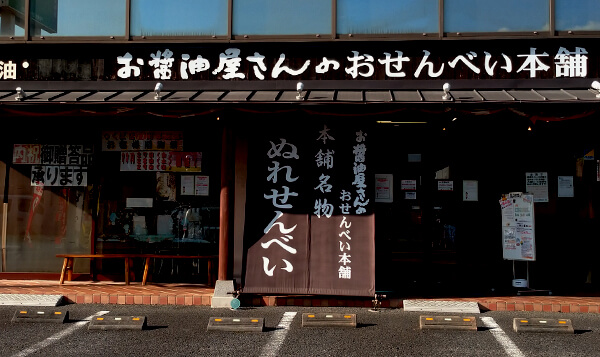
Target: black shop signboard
[(309, 211), (558, 58)]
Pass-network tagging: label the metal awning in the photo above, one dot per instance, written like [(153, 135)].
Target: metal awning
[(315, 96)]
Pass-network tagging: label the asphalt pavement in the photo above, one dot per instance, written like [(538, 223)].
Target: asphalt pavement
[(174, 330)]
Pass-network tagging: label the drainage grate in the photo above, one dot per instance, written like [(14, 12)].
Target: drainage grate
[(30, 299), (441, 306)]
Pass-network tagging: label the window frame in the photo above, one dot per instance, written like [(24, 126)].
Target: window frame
[(76, 39), (324, 37), (191, 38)]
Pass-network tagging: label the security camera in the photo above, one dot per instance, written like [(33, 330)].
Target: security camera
[(157, 90), (300, 89), (20, 94)]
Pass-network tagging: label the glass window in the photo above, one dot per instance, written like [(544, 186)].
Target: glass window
[(387, 17), (78, 17), (281, 17), (581, 16), (45, 221), (11, 19), (496, 16), (179, 18)]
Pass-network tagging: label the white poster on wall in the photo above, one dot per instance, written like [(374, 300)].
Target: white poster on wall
[(187, 185), (408, 185), (410, 195), (201, 183), (536, 183), (445, 185), (565, 186), (470, 188), (384, 186)]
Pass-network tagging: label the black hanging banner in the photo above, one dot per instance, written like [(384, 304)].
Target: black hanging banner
[(310, 223)]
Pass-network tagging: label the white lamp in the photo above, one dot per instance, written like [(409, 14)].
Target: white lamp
[(300, 90), (446, 88), (157, 90)]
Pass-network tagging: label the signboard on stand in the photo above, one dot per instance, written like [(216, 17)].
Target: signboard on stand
[(518, 231)]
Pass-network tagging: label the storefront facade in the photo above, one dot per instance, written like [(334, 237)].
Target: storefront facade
[(340, 166)]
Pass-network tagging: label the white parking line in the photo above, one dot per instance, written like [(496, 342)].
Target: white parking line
[(272, 348), (509, 347), (52, 339)]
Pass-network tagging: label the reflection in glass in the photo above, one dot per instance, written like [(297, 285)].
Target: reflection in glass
[(77, 17), (179, 18), (281, 17), (496, 16), (387, 17), (580, 16), (43, 222), (11, 19)]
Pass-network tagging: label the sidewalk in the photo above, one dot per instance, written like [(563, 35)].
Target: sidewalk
[(83, 292)]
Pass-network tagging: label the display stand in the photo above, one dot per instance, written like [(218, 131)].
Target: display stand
[(518, 237), (523, 284)]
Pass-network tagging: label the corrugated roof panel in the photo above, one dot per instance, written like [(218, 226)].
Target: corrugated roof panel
[(8, 96), (496, 95), (209, 96), (290, 96), (349, 96), (378, 96), (433, 96), (71, 96), (29, 95), (125, 96), (182, 96), (98, 97), (320, 95), (407, 96), (527, 95), (150, 97), (556, 94), (466, 95), (583, 94), (414, 96), (237, 96), (264, 96), (44, 96)]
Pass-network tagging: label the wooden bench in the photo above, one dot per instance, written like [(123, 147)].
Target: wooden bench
[(69, 262)]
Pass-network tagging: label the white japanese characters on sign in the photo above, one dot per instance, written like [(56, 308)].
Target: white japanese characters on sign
[(567, 63), (55, 165), (142, 140), (280, 151)]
